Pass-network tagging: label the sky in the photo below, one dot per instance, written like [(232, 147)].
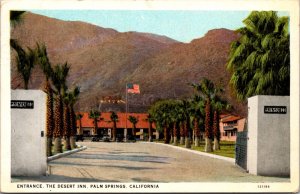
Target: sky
[(182, 26)]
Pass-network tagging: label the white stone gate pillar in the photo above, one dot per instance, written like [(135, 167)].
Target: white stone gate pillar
[(268, 149), (28, 125)]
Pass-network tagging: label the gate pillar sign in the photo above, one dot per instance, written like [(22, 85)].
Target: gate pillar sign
[(268, 149), (28, 143)]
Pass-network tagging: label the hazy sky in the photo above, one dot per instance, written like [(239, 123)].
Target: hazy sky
[(183, 26)]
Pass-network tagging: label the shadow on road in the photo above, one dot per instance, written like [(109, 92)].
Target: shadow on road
[(136, 158)]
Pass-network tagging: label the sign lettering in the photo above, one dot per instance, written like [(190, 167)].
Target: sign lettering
[(275, 109), (22, 104)]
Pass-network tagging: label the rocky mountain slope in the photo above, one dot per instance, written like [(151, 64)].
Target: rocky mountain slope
[(104, 60)]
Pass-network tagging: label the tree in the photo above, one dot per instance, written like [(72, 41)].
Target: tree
[(73, 97), (95, 115), (161, 112), (217, 105), (197, 115), (59, 76), (79, 117), (260, 60), (25, 61), (134, 120), (186, 105), (16, 17), (207, 90), (67, 122), (43, 60), (150, 120), (176, 115), (114, 118)]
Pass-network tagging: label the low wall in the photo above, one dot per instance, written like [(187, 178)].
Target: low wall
[(28, 142)]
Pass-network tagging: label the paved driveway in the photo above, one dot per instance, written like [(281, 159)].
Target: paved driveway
[(143, 162)]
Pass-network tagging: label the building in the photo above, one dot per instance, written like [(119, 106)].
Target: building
[(230, 125), (105, 125)]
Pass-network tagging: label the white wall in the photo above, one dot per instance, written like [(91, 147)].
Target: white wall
[(28, 148), (269, 137)]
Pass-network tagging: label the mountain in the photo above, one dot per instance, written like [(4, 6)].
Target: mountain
[(103, 60)]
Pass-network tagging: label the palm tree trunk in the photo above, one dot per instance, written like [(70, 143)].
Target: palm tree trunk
[(80, 127), (216, 131), (166, 135), (49, 118), (181, 133), (95, 126), (114, 132), (66, 132), (73, 128), (216, 144), (197, 132), (175, 143), (187, 137), (208, 143), (150, 131), (58, 124)]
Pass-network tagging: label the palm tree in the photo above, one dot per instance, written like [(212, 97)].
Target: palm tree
[(95, 115), (161, 112), (79, 117), (73, 97), (25, 61), (67, 123), (16, 17), (134, 120), (217, 105), (43, 61), (207, 90), (150, 120), (186, 107), (49, 118), (59, 76), (260, 59), (114, 118), (208, 130), (197, 115)]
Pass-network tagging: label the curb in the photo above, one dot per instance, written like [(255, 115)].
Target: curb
[(65, 153), (231, 160)]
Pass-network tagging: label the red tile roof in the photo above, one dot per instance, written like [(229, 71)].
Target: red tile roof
[(230, 118), (105, 123)]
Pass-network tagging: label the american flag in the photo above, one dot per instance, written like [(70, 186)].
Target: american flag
[(133, 88)]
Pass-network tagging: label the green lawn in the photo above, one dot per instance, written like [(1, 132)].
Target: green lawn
[(227, 148)]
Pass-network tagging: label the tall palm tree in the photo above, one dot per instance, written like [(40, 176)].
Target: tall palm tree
[(59, 76), (16, 17), (25, 61), (218, 105), (114, 118), (134, 120), (197, 115), (95, 115), (67, 123), (43, 61), (73, 97), (186, 107), (49, 118), (260, 59), (207, 90), (150, 120), (79, 117)]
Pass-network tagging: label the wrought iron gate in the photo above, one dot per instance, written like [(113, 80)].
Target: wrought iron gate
[(241, 149)]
